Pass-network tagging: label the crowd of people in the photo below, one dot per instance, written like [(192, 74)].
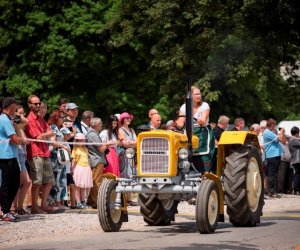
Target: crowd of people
[(60, 163)]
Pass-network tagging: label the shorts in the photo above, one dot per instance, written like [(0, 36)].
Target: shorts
[(41, 170), (70, 180), (21, 160)]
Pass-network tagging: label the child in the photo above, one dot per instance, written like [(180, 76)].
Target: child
[(70, 181), (81, 170)]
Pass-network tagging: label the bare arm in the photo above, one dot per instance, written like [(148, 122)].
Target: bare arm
[(204, 118), (180, 121)]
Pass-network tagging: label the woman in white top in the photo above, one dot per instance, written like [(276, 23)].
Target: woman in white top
[(202, 156), (110, 136)]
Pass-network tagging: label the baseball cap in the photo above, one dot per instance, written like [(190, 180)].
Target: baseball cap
[(7, 101), (65, 131), (71, 105)]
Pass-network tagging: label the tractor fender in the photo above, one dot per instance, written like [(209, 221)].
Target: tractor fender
[(239, 137), (217, 180)]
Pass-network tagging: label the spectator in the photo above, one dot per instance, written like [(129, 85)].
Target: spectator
[(38, 156), (273, 153), (70, 119), (81, 170), (70, 181), (239, 124), (294, 146), (69, 123), (221, 126), (9, 166), (155, 121), (110, 136), (86, 121), (203, 155), (151, 113), (263, 125), (97, 158), (59, 189), (255, 128), (62, 105), (284, 168), (127, 138), (25, 182), (148, 126)]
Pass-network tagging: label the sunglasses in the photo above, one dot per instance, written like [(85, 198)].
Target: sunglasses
[(36, 103), (128, 118)]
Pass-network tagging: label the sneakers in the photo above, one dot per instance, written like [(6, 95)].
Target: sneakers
[(80, 206), (9, 217)]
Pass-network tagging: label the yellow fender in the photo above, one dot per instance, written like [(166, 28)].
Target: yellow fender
[(217, 180), (229, 138), (238, 137)]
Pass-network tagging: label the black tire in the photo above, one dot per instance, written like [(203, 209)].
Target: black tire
[(244, 186), (110, 218), (157, 212), (207, 207)]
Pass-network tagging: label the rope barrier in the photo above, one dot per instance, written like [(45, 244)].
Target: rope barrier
[(64, 142)]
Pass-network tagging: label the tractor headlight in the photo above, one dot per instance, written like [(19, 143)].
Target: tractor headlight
[(130, 153), (183, 153)]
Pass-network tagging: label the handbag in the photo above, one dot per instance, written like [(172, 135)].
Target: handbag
[(63, 156)]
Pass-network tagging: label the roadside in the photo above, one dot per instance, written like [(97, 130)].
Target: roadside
[(36, 228)]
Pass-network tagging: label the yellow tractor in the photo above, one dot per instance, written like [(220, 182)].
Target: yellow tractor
[(166, 176)]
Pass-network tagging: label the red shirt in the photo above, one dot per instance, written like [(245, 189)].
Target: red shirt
[(35, 127)]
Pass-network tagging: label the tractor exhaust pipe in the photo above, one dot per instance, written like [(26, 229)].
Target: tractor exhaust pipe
[(189, 118)]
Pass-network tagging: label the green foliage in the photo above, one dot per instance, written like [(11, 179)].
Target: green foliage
[(115, 56)]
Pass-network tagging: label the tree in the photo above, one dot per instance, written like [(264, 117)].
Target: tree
[(115, 56)]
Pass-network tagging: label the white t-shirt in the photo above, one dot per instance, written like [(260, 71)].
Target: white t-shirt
[(204, 106), (104, 136)]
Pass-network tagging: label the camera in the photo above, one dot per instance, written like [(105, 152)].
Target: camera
[(17, 119)]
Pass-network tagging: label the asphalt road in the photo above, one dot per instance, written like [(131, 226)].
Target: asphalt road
[(278, 231)]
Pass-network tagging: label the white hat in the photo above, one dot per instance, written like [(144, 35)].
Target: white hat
[(80, 136)]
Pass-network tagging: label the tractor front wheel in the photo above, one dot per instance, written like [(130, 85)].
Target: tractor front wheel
[(207, 207), (110, 218)]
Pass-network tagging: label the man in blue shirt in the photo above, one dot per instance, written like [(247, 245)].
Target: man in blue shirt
[(273, 155), (8, 158)]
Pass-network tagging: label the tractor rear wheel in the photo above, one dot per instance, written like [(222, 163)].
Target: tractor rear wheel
[(110, 218), (207, 207), (157, 212), (244, 186)]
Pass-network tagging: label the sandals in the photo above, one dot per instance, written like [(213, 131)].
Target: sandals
[(37, 211), (22, 211)]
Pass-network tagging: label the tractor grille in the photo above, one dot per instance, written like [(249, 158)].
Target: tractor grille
[(155, 155)]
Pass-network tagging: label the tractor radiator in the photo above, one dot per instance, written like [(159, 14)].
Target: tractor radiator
[(155, 156)]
